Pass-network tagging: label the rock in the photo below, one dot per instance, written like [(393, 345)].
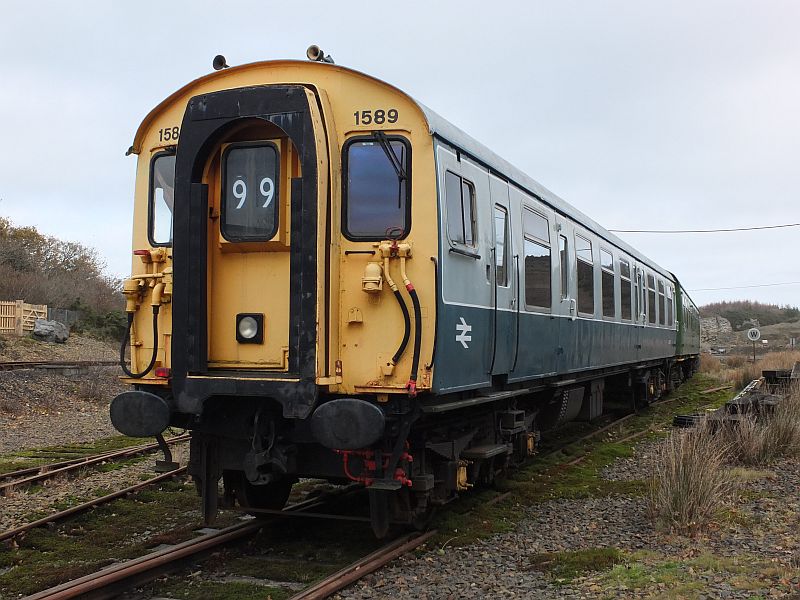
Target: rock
[(715, 331), (50, 331)]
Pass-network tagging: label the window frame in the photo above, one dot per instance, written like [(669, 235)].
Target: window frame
[(345, 169), (506, 245), (652, 314), (150, 200), (631, 292), (223, 197), (534, 239), (608, 271), (563, 266), (578, 260), (474, 217)]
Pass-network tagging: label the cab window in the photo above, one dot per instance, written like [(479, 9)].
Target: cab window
[(162, 199), (376, 188)]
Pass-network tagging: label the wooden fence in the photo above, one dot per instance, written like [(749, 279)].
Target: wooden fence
[(17, 317)]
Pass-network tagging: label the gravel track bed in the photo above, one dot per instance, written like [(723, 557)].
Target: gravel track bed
[(760, 530), (17, 507), (39, 408)]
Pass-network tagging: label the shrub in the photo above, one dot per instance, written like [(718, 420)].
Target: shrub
[(735, 361), (690, 481), (709, 364)]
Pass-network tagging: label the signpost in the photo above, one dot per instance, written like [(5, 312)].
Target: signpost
[(754, 335)]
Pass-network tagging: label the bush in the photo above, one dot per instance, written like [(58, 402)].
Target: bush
[(709, 364), (105, 325), (690, 481), (735, 361)]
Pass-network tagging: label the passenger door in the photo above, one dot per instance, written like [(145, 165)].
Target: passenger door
[(465, 323), (567, 298), (506, 280)]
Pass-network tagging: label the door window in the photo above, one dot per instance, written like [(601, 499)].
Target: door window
[(501, 246), (250, 177)]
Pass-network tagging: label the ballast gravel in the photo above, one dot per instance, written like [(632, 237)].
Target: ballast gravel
[(764, 532), (39, 408)]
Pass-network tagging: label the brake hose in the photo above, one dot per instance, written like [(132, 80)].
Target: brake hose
[(411, 386), (403, 308), (127, 337)]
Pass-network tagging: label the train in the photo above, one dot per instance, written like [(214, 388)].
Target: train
[(331, 281)]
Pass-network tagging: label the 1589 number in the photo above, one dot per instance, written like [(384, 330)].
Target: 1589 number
[(378, 116)]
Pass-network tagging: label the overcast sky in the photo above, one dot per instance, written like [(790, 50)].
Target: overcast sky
[(643, 114)]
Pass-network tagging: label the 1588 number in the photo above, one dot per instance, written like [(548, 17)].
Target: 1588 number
[(378, 116)]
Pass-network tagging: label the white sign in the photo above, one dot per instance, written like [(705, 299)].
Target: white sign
[(753, 334), (463, 329)]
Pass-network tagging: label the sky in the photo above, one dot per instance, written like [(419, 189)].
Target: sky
[(642, 114)]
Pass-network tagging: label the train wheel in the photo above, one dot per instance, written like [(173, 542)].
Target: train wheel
[(272, 496)]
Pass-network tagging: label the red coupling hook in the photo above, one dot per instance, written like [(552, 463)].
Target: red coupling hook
[(411, 386)]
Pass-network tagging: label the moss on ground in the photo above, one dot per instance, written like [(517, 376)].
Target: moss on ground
[(567, 565), (116, 531)]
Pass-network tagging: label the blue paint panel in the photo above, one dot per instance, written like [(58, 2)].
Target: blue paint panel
[(457, 366), (547, 346)]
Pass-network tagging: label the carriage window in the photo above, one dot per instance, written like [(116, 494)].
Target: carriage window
[(651, 299), (670, 307), (607, 283), (162, 197), (537, 259), (626, 289), (500, 246), (583, 253), (250, 192), (377, 188), (662, 308), (460, 200), (562, 255)]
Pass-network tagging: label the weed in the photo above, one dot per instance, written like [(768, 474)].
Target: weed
[(690, 481)]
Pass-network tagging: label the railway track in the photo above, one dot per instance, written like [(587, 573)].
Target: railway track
[(32, 364), (121, 577), (83, 507), (38, 474)]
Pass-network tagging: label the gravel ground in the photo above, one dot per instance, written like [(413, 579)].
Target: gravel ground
[(754, 553), (17, 507), (77, 347), (40, 408)]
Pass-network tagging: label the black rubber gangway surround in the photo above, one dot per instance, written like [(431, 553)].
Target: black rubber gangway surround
[(206, 122)]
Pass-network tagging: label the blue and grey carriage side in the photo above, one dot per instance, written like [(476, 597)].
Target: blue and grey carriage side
[(534, 293)]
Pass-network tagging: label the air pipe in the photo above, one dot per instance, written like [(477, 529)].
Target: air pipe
[(155, 302), (411, 386), (403, 308)]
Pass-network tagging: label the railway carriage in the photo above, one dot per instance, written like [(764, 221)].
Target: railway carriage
[(332, 281)]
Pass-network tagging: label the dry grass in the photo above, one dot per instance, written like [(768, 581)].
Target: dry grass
[(91, 389), (690, 480), (693, 474), (735, 361), (739, 370), (709, 364)]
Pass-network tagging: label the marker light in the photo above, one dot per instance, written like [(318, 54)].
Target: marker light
[(249, 328)]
